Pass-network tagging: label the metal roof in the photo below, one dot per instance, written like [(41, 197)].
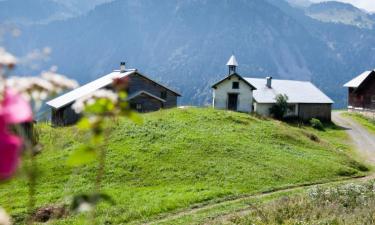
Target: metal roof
[(297, 91), (232, 61), (97, 84), (357, 81)]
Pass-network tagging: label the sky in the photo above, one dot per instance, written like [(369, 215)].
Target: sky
[(368, 5)]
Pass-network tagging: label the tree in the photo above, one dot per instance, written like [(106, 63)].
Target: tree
[(279, 109)]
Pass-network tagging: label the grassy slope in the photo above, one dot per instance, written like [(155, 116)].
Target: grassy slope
[(364, 121), (184, 156)]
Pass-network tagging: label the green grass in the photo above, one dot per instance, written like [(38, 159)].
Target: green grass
[(351, 203), (364, 121), (182, 157)]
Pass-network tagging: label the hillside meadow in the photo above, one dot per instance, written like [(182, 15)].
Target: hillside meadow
[(179, 158)]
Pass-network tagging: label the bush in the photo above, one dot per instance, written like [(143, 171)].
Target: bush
[(316, 124), (279, 109)]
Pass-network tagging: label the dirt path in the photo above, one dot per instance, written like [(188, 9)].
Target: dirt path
[(363, 140), (364, 143), (197, 209)]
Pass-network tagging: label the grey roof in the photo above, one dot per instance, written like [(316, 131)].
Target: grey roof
[(357, 81), (232, 61), (146, 93), (297, 91), (97, 84)]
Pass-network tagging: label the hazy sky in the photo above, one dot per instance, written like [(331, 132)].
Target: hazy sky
[(368, 5)]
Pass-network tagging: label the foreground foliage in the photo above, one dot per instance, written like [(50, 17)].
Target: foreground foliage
[(181, 157), (344, 204)]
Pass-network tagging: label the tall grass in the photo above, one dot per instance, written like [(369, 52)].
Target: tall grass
[(345, 204)]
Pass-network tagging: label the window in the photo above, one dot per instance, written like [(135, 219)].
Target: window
[(163, 94), (139, 107), (373, 98), (236, 85)]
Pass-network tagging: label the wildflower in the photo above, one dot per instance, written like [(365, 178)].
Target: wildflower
[(4, 218), (13, 110), (7, 59), (59, 81), (84, 207), (31, 88), (90, 99), (9, 154)]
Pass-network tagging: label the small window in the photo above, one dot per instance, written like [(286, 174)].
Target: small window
[(163, 94), (138, 107), (373, 98), (236, 85)]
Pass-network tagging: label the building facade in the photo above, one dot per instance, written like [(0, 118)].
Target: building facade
[(243, 94), (233, 92), (144, 95), (361, 93)]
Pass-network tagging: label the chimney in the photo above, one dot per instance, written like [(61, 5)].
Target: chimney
[(122, 67), (269, 82)]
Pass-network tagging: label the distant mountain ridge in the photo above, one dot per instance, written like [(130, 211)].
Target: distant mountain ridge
[(28, 12), (338, 12), (186, 43)]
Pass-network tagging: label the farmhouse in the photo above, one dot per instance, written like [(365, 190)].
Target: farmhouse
[(258, 95), (361, 93), (144, 95)]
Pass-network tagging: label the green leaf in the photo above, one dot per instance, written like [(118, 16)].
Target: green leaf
[(100, 106), (82, 155), (122, 95), (84, 123)]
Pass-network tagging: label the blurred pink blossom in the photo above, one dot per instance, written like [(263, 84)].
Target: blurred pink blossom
[(13, 110), (9, 154)]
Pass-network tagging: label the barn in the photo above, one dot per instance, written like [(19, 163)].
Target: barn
[(305, 100), (246, 94), (361, 93), (144, 95)]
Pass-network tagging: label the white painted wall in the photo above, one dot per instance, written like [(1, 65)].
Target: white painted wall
[(245, 95), (262, 108)]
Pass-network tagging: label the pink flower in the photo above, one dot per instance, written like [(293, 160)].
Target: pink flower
[(9, 154), (13, 110)]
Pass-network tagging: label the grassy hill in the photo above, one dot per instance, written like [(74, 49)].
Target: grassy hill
[(182, 157)]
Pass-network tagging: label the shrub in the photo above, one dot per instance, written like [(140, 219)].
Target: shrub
[(316, 124), (279, 109)]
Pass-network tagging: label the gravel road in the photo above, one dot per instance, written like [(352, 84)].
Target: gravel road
[(363, 140)]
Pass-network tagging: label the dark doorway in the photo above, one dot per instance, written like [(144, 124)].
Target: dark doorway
[(232, 101)]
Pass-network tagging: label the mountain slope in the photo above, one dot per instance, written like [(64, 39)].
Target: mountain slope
[(186, 44), (26, 12), (338, 12), (181, 157), (183, 43)]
